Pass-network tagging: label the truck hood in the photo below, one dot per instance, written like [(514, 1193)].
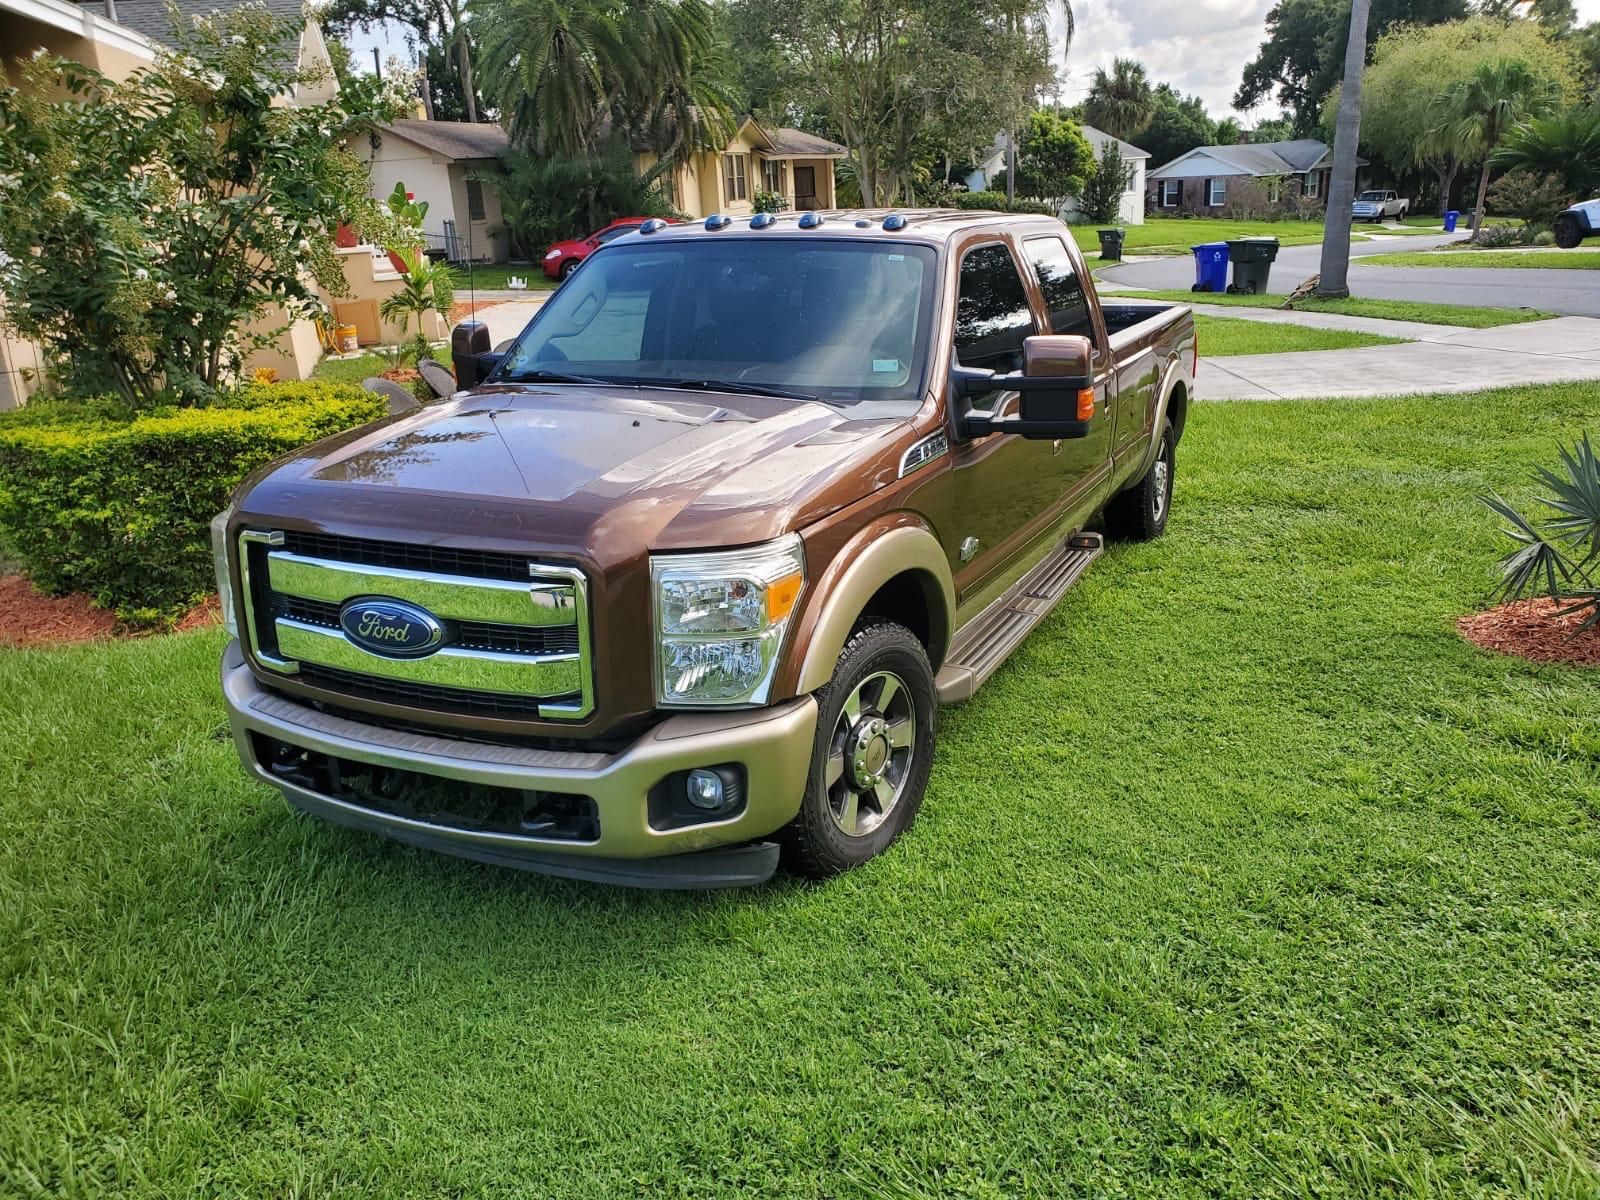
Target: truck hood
[(610, 472)]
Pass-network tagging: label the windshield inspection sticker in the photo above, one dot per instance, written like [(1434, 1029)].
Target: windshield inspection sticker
[(885, 366)]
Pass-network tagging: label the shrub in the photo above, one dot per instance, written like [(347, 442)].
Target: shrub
[(1038, 208), (1556, 557), (1497, 237), (984, 200), (1533, 199), (97, 498), (1101, 201)]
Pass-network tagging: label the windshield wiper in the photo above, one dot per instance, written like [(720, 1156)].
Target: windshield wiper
[(734, 386), (549, 377)]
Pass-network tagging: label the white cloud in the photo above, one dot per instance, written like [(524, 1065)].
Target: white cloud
[(1198, 46)]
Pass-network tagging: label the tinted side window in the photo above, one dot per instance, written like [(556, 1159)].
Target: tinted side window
[(992, 314), (1063, 292)]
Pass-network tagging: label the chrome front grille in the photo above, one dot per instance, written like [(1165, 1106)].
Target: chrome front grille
[(516, 637)]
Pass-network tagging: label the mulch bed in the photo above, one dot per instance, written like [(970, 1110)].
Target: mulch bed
[(30, 618), (465, 308), (1530, 629)]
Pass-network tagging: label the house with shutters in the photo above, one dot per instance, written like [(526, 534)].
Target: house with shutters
[(1198, 181)]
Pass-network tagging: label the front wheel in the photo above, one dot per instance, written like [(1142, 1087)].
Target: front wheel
[(567, 268), (1568, 232), (1140, 513), (873, 752)]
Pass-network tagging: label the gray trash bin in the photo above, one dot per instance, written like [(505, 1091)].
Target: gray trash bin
[(1252, 264), (1111, 244)]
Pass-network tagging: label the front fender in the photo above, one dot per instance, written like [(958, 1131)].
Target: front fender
[(894, 545)]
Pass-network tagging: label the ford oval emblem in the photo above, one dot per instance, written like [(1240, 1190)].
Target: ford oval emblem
[(392, 628)]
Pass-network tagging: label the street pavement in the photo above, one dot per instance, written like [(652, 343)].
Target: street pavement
[(1559, 291)]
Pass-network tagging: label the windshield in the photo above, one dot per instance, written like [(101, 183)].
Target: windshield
[(1370, 196), (844, 322)]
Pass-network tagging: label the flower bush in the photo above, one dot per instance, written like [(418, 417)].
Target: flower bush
[(155, 231)]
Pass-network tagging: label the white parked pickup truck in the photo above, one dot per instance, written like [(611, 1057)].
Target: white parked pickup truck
[(1379, 206)]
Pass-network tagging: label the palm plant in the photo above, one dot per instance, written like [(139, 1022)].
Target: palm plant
[(565, 75), (1558, 560), (1121, 103), (425, 287), (1473, 118), (1566, 145)]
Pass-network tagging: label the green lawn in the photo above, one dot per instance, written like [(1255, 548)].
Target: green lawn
[(1221, 337), (1559, 260), (350, 370), (1174, 235), (1393, 310), (1246, 878), (489, 278)]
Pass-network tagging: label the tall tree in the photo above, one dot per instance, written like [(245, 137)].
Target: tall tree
[(441, 33), (1334, 281), (565, 76), (1122, 101), (1413, 66), (1054, 158), (1474, 117), (1179, 125), (903, 82), (1299, 62)]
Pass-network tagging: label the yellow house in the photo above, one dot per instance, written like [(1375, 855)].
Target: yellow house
[(787, 162)]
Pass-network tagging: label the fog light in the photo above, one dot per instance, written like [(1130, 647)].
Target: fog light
[(705, 789)]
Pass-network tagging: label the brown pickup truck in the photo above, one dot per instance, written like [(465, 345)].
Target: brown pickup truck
[(681, 576)]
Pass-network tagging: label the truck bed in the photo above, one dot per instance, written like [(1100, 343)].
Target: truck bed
[(1122, 315)]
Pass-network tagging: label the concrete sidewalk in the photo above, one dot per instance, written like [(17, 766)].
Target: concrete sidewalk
[(1411, 331), (1443, 359)]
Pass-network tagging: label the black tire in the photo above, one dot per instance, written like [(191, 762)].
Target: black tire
[(816, 843), (567, 268), (1140, 513), (1568, 232)]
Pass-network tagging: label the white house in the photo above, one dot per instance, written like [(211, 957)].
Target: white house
[(991, 172), (446, 164)]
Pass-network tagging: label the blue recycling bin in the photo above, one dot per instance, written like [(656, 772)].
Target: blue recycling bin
[(1450, 220), (1210, 267)]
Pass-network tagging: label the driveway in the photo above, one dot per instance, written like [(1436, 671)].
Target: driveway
[(1570, 292)]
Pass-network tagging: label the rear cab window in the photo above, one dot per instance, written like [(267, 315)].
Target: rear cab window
[(1063, 291)]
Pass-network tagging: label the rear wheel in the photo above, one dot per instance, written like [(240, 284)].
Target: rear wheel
[(1568, 232), (1140, 513), (873, 752)]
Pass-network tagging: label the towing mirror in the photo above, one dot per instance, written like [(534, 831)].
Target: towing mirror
[(1056, 384), (470, 353)]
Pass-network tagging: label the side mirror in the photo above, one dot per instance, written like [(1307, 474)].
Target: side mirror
[(1056, 384), (469, 342)]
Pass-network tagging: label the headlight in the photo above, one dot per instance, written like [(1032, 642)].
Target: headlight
[(219, 560), (552, 254), (720, 620)]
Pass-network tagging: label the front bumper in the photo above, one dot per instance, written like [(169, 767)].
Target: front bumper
[(773, 746)]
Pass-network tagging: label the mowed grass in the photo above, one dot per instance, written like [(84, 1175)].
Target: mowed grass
[(1246, 877), (1174, 235), (1221, 337), (1467, 316), (1554, 260)]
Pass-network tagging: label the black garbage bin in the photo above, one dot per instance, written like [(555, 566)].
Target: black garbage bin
[(1252, 263), (1111, 244)]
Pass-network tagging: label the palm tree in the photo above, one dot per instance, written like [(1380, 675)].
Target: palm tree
[(566, 73), (1566, 145), (426, 287), (1334, 280), (1121, 103), (1473, 118)]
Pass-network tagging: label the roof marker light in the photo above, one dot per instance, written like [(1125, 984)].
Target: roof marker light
[(894, 221), (718, 221), (652, 225), (762, 219), (810, 220), (863, 224)]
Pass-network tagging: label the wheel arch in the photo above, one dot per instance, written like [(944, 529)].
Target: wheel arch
[(896, 569)]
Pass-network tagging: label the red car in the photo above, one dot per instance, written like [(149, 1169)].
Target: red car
[(562, 257)]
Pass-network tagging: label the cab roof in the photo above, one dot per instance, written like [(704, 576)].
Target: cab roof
[(925, 224)]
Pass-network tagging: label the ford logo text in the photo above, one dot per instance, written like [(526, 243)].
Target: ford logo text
[(392, 628)]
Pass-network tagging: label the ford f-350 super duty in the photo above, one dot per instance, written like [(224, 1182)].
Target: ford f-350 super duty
[(681, 575)]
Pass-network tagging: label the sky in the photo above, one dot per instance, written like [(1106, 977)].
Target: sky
[(1198, 46)]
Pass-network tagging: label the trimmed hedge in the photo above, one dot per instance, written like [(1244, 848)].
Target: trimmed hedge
[(998, 202), (96, 499)]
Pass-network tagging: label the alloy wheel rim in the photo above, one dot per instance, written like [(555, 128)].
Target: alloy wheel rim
[(870, 754), (1163, 481)]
